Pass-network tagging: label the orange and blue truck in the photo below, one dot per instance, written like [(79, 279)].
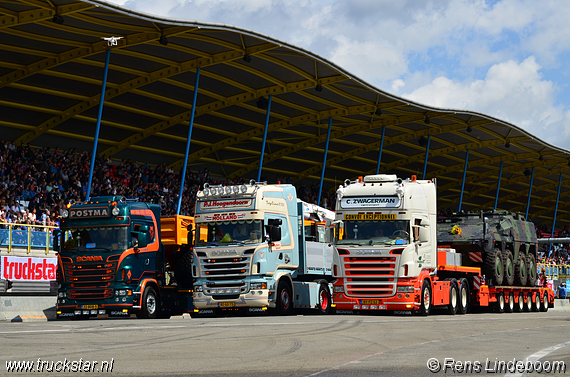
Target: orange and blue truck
[(118, 257)]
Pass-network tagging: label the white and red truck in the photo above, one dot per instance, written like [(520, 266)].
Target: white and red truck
[(386, 255)]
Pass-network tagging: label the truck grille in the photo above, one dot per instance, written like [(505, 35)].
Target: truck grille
[(89, 280), (219, 269), (373, 276)]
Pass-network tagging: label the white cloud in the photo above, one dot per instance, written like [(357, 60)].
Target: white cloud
[(511, 91)]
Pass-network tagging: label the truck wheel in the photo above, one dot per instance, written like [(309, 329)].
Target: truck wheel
[(528, 306), (284, 298), (544, 307), (453, 297), (324, 297), (510, 306), (536, 303), (149, 304), (425, 306), (183, 268), (509, 268), (463, 297), (520, 304), (521, 271), (500, 304), (494, 266), (531, 263)]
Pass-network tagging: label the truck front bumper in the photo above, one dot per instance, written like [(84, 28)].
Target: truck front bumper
[(258, 298), (400, 301)]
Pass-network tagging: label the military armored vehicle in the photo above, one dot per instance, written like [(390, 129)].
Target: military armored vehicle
[(502, 243)]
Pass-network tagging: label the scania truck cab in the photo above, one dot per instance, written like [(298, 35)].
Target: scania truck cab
[(258, 247)]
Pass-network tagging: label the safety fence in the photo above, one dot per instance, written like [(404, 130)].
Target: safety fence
[(28, 236), (554, 271)]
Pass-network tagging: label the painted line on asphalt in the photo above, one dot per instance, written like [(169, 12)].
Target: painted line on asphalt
[(539, 355)]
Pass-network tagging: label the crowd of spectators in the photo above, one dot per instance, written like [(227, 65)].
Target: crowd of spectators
[(46, 179)]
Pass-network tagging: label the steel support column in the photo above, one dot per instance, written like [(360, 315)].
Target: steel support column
[(529, 192), (555, 213), (463, 182), (426, 159), (188, 141), (324, 162), (98, 127), (498, 186), (380, 152), (264, 139)]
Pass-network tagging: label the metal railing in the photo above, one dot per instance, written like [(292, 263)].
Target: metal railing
[(31, 236), (554, 271)]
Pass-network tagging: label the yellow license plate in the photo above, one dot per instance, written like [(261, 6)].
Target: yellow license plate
[(224, 304), (370, 302), (89, 306), (370, 216)]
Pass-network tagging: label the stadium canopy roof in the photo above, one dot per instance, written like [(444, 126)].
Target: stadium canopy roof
[(52, 59)]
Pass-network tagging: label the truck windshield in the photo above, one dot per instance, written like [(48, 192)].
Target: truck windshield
[(360, 232), (85, 239), (225, 232)]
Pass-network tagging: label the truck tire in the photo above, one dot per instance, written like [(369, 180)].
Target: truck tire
[(531, 263), (463, 306), (183, 268), (149, 304), (425, 304), (528, 306), (494, 268), (453, 297), (536, 303), (510, 306), (284, 298), (520, 304), (324, 297), (544, 306), (500, 304), (509, 268), (521, 271)]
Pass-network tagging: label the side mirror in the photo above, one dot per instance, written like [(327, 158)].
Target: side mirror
[(424, 234), (190, 235), (142, 236), (56, 234)]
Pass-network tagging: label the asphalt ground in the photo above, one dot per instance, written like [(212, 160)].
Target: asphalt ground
[(301, 345)]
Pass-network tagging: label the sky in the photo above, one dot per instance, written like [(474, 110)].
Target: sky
[(509, 59)]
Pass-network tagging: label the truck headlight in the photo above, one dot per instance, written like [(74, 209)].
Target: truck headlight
[(198, 288), (65, 214), (115, 211), (405, 289), (62, 294), (338, 288), (258, 286)]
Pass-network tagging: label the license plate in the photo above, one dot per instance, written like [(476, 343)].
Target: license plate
[(224, 304), (370, 302), (89, 306)]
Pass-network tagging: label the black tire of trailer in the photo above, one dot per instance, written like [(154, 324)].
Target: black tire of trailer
[(284, 303), (531, 263), (510, 306), (509, 268), (149, 304), (183, 268), (500, 304), (545, 303), (494, 267), (519, 307), (536, 303), (324, 297), (463, 306), (528, 306), (453, 297), (426, 300), (521, 271)]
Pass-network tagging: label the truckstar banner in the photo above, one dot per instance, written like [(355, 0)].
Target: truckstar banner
[(28, 269), (371, 202)]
